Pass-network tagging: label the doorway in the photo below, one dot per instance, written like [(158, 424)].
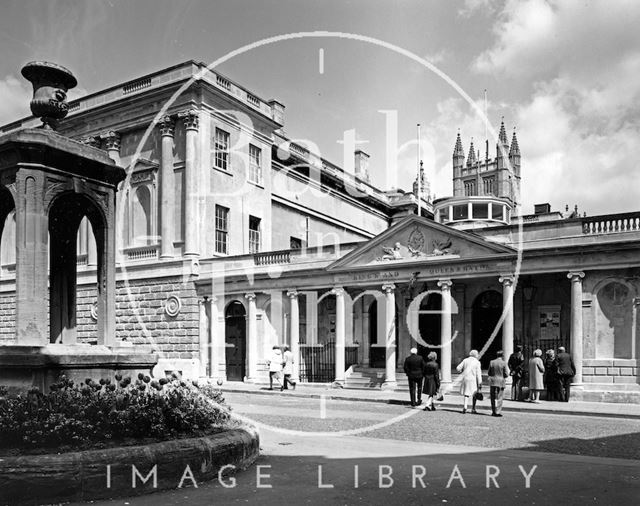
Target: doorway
[(235, 331), (486, 312)]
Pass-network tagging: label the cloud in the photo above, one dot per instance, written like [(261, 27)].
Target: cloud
[(16, 94), (474, 7), (579, 125)]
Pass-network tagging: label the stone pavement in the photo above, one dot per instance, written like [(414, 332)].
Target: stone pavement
[(452, 399)]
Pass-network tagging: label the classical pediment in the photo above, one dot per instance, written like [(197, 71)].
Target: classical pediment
[(419, 240)]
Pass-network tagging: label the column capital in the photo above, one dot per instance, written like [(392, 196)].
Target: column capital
[(388, 288), (167, 126), (91, 140), (111, 140), (293, 294), (250, 296), (507, 280), (445, 284), (190, 118), (575, 276), (338, 291)]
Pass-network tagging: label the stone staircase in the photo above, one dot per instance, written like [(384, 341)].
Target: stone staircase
[(359, 377)]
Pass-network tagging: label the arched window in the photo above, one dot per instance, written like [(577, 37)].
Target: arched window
[(8, 241), (141, 222)]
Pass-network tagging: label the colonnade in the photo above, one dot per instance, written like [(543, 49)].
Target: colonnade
[(210, 353)]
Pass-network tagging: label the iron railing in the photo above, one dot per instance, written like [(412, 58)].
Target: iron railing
[(318, 363)]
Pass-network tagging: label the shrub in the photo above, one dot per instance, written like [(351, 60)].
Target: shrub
[(80, 415)]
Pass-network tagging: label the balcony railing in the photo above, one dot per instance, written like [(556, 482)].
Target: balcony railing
[(611, 224), (141, 252), (272, 257)]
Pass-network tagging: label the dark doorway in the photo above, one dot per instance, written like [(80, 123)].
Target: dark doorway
[(487, 309), (378, 354), (430, 323), (235, 331)]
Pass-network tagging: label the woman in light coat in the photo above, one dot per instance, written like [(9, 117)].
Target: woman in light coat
[(536, 376), (470, 378), (275, 367)]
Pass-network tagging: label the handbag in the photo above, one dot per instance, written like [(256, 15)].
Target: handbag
[(440, 396), (479, 396)]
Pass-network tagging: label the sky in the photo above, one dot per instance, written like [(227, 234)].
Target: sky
[(565, 74)]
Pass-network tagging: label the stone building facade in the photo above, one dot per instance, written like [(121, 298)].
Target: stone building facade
[(233, 238)]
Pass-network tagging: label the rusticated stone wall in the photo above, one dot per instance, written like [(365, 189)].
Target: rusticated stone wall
[(140, 316)]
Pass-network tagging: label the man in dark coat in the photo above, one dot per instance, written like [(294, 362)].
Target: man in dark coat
[(566, 371), (516, 364), (414, 369), (498, 373)]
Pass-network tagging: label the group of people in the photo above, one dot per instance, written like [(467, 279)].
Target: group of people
[(281, 368), (423, 377), (553, 374)]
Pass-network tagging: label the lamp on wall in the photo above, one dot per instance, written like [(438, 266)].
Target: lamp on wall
[(528, 290)]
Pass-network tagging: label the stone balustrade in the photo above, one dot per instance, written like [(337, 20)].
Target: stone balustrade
[(611, 224)]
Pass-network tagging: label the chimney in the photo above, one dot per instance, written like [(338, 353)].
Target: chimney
[(361, 165), (277, 111), (541, 208)]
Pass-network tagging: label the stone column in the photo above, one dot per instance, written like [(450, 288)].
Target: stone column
[(191, 225), (365, 338), (203, 344), (92, 252), (252, 338), (576, 324), (112, 145), (445, 329), (390, 336), (507, 325), (295, 332), (32, 324), (215, 347), (167, 207), (340, 336)]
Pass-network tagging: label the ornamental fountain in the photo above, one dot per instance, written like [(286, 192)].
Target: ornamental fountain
[(51, 183)]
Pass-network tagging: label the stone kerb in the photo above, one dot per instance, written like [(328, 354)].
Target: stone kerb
[(125, 471)]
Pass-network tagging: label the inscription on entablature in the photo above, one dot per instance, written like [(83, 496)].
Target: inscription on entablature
[(458, 269)]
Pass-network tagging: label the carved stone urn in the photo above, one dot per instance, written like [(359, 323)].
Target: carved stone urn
[(50, 85)]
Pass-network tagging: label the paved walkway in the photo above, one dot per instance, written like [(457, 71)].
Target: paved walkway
[(452, 399)]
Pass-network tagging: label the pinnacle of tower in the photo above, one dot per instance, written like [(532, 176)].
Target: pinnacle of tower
[(515, 149), (458, 150), (472, 155), (502, 136)]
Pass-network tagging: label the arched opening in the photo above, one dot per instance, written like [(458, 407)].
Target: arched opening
[(430, 323), (7, 229), (235, 332), (615, 321), (141, 224), (373, 327), (486, 312), (65, 215)]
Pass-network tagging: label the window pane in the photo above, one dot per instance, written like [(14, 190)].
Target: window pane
[(497, 213), (222, 228), (221, 148), (481, 211), (460, 212), (254, 234), (255, 164)]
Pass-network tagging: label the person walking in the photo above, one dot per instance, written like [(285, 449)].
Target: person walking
[(287, 369), (414, 369), (498, 373), (516, 370), (471, 379), (566, 371), (275, 367), (551, 381), (431, 380), (536, 376)]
